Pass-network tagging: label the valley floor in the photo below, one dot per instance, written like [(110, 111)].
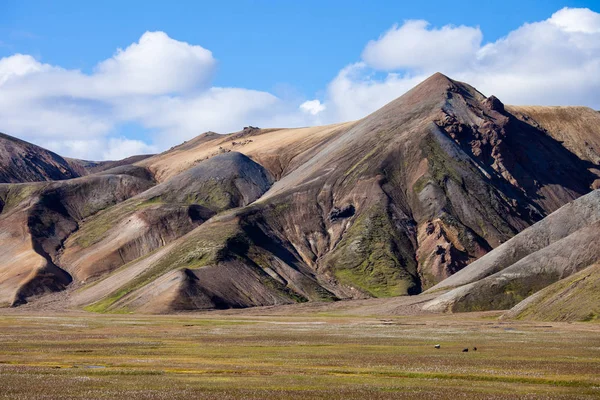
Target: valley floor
[(298, 353)]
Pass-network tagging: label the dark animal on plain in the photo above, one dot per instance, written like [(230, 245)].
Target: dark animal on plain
[(465, 350), (437, 346), (474, 348)]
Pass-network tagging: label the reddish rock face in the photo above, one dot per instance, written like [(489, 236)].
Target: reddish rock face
[(494, 104)]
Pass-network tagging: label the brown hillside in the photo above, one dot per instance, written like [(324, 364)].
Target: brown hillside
[(25, 162), (388, 205)]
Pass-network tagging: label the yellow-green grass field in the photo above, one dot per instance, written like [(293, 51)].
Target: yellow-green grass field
[(239, 355)]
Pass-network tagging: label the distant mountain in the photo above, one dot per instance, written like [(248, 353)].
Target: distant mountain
[(25, 162), (85, 167), (21, 161), (392, 204)]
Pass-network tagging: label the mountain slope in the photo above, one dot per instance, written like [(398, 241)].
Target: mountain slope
[(388, 205), (557, 247), (36, 219), (566, 221), (162, 214), (576, 298), (25, 162)]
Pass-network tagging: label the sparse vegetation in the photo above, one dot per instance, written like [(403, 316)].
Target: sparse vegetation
[(246, 355), (576, 298), (96, 228), (369, 257), (197, 251)]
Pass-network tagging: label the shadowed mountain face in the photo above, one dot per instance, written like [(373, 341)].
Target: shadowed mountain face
[(24, 162), (392, 204)]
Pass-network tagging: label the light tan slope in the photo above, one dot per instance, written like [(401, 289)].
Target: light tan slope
[(278, 150), (24, 263)]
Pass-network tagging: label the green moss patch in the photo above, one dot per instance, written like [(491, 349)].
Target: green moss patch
[(372, 257)]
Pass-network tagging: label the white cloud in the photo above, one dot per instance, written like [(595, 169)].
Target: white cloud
[(119, 148), (414, 45), (354, 93), (114, 148), (551, 62), (576, 20), (312, 107), (156, 64), (183, 117), (19, 65), (158, 83)]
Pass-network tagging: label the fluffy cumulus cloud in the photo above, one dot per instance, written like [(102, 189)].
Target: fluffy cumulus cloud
[(155, 65), (157, 83), (163, 86), (577, 20), (416, 45), (551, 62)]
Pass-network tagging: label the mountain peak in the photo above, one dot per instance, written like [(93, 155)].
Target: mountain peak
[(436, 87), (437, 80), (430, 92), (438, 76)]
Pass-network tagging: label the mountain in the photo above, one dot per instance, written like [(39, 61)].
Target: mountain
[(21, 162), (163, 213), (392, 204), (35, 220), (25, 162), (85, 167)]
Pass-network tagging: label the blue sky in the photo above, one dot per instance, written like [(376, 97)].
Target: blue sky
[(264, 45), (279, 54)]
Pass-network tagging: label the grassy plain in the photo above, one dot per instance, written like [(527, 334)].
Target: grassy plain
[(287, 354)]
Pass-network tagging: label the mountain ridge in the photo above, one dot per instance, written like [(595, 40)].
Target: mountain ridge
[(388, 205)]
